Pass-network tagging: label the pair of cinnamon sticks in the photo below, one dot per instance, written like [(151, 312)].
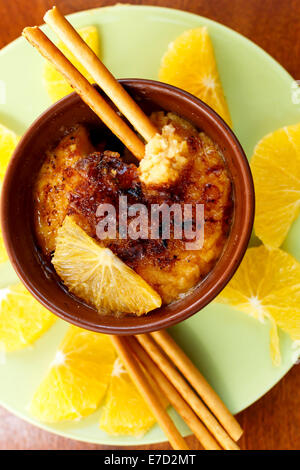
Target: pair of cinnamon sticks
[(171, 370), (186, 389), (102, 76)]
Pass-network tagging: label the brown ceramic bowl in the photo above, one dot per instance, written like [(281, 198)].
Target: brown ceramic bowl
[(17, 212)]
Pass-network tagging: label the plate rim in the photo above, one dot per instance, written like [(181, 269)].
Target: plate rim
[(124, 6)]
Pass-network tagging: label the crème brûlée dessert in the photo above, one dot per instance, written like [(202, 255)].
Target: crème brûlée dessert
[(181, 166)]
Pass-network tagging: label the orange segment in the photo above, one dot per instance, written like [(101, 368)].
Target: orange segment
[(22, 318), (266, 285), (77, 379), (125, 412), (96, 275), (8, 142), (189, 63), (275, 167)]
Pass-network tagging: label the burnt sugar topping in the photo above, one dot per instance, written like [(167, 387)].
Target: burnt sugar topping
[(76, 178)]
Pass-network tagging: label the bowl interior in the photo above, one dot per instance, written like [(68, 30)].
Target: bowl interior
[(17, 220)]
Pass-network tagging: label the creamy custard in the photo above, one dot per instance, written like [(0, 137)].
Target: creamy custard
[(181, 165)]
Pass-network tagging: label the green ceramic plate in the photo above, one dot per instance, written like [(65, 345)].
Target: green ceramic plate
[(231, 349)]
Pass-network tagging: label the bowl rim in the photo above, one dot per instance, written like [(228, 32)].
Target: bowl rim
[(201, 301)]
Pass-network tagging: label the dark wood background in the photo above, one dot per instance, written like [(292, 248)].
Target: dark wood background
[(274, 421)]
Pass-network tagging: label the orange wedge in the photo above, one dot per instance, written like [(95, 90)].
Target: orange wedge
[(189, 63)]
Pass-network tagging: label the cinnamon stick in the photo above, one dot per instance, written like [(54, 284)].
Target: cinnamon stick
[(87, 92), (174, 397), (145, 389), (102, 76), (187, 392), (199, 383)]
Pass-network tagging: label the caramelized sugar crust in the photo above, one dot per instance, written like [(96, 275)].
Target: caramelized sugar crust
[(75, 178)]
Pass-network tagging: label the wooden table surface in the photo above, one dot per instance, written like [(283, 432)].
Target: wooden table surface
[(274, 421)]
